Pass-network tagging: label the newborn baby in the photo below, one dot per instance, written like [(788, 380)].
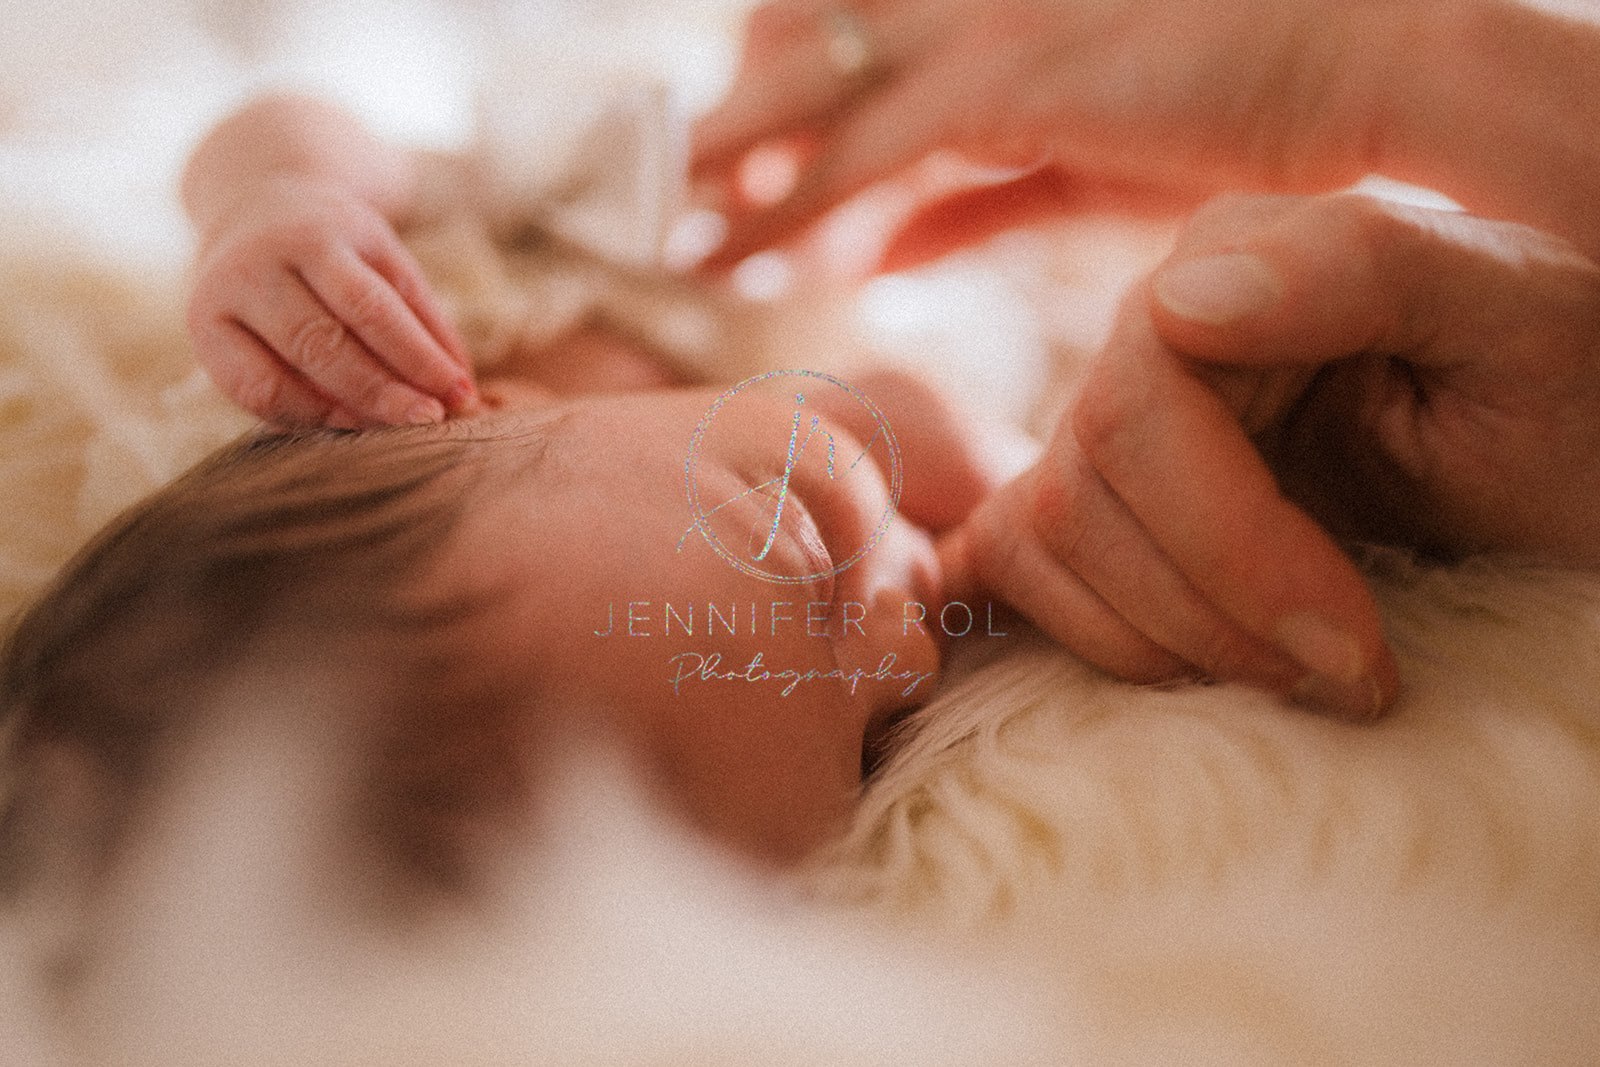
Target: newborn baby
[(473, 583), (471, 589)]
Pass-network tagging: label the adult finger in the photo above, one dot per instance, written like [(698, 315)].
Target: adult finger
[(791, 77), (1446, 440), (1177, 456), (972, 216), (304, 334), (967, 218), (888, 131), (1268, 281), (367, 304)]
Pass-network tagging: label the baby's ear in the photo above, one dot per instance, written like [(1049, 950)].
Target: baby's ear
[(953, 457)]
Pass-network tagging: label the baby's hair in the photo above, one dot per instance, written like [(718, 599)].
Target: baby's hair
[(307, 548)]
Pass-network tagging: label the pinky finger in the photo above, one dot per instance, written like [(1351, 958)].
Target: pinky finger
[(258, 381)]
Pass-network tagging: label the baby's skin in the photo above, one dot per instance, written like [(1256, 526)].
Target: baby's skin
[(744, 649), (749, 700)]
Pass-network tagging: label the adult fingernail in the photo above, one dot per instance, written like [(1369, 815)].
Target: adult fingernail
[(1218, 290), (1337, 678), (1356, 702)]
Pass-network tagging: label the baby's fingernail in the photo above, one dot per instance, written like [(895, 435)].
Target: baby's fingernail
[(1218, 290), (407, 408), (459, 394)]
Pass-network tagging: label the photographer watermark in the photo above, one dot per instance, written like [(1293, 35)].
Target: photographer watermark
[(749, 550), (763, 525)]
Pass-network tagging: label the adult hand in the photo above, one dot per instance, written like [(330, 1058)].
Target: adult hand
[(1183, 94), (307, 310), (1301, 368)]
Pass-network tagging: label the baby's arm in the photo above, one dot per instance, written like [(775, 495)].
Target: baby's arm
[(306, 307)]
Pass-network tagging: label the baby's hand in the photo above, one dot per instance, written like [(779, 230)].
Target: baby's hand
[(308, 310)]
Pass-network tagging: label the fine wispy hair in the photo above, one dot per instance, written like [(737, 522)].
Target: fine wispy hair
[(301, 549)]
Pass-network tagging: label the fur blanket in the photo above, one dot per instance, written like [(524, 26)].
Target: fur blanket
[(1218, 878)]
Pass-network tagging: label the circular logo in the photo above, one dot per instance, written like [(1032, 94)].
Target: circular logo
[(794, 440)]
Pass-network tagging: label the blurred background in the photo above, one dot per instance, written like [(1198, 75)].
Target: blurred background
[(100, 101)]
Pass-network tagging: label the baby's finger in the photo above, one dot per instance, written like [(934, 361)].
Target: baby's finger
[(301, 331), (367, 304), (952, 458), (1003, 554), (1176, 455), (1082, 523), (254, 378), (391, 258)]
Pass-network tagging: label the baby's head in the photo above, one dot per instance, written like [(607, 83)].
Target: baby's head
[(471, 590), (293, 549)]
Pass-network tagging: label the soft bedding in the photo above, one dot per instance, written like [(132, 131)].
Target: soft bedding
[(1219, 878)]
